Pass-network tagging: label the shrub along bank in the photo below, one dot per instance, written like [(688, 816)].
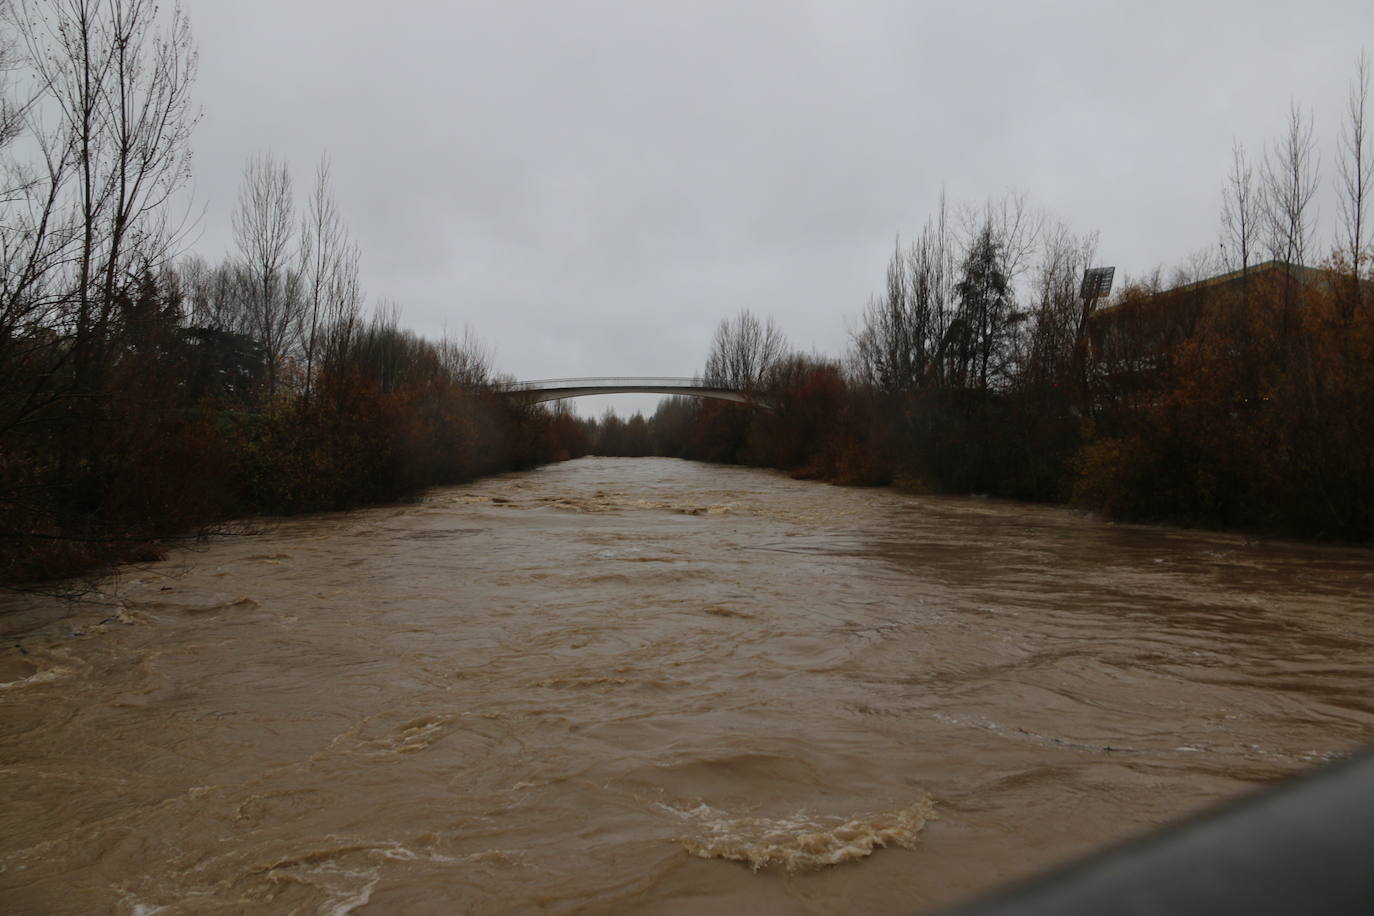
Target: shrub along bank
[(1244, 404)]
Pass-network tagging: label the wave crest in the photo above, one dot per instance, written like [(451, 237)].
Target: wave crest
[(802, 842)]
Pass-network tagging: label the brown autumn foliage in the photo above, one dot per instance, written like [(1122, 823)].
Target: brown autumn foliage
[(1229, 403), (156, 448), (1260, 418)]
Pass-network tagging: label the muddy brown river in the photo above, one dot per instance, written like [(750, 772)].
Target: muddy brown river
[(646, 685)]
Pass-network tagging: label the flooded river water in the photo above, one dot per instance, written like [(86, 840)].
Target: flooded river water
[(645, 685)]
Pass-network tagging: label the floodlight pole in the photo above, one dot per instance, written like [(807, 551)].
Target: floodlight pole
[(1097, 282)]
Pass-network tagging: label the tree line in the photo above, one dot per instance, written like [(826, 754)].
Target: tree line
[(1232, 392), (145, 397)]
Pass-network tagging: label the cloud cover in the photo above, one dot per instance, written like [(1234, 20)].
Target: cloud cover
[(591, 186)]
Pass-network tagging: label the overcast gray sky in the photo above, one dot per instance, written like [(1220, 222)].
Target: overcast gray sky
[(592, 186)]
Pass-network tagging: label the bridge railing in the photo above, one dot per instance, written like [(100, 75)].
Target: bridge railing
[(545, 384), (554, 389)]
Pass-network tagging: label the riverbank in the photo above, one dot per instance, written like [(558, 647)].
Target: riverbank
[(1255, 473), (172, 479)]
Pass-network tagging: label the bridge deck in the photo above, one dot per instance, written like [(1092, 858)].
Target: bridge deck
[(553, 389)]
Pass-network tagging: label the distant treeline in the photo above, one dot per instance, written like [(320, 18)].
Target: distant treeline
[(142, 399), (1238, 393)]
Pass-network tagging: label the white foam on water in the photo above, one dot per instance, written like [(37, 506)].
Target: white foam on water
[(802, 841)]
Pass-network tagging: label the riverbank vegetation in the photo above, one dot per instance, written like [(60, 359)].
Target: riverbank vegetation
[(1234, 393), (1257, 416), (145, 397)]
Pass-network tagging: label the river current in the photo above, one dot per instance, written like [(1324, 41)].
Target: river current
[(646, 685)]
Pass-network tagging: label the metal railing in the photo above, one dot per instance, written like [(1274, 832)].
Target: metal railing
[(545, 384)]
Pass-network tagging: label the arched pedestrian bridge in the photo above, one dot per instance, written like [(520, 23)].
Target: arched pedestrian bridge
[(554, 389)]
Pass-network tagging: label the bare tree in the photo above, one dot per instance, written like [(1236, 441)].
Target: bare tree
[(889, 350), (263, 228), (149, 117), (13, 108), (743, 350), (106, 123), (1018, 228), (999, 241), (938, 272), (1199, 264), (119, 78), (33, 233), (467, 360), (1356, 170), (216, 297), (897, 348), (945, 324), (1289, 180), (1059, 324), (329, 270), (1241, 212)]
